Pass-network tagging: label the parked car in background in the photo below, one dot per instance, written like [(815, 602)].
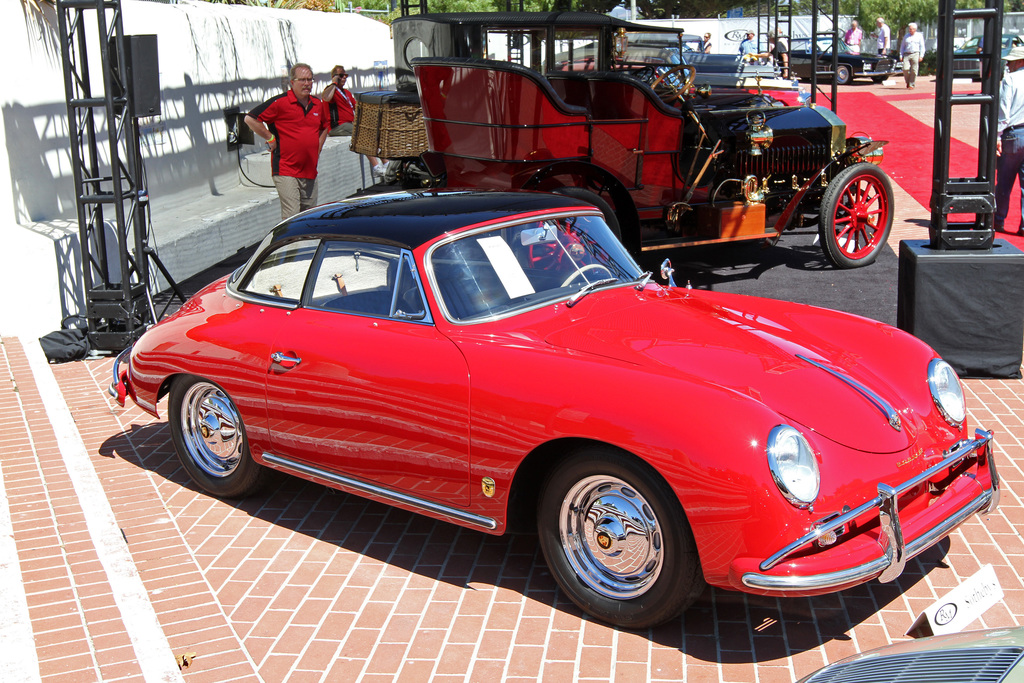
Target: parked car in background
[(499, 361), (993, 655), (851, 65), (967, 64)]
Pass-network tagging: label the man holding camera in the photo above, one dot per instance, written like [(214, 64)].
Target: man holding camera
[(340, 110), (341, 104)]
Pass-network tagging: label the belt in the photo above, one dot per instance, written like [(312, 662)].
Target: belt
[(1010, 129)]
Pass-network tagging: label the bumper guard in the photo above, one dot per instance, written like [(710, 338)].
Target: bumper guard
[(895, 552)]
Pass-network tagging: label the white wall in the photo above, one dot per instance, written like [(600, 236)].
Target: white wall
[(211, 56)]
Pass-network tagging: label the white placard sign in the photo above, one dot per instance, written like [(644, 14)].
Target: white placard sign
[(511, 274), (960, 606)]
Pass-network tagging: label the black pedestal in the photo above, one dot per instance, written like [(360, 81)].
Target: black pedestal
[(967, 305)]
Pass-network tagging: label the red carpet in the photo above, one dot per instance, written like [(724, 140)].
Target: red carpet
[(908, 156)]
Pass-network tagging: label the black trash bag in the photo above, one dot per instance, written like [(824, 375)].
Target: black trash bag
[(63, 346)]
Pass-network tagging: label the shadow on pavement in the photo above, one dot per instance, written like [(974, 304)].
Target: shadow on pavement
[(722, 626)]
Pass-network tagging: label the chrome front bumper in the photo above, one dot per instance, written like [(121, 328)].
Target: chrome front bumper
[(884, 67), (894, 551)]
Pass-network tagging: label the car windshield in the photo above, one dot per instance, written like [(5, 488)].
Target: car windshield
[(505, 270)]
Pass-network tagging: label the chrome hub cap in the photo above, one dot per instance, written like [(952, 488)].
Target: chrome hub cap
[(209, 425), (611, 537)]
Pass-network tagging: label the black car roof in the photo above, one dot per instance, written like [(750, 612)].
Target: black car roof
[(583, 19), (410, 219)]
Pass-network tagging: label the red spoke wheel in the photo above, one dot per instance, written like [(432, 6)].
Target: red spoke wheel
[(856, 216)]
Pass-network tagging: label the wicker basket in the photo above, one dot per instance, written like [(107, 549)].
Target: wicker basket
[(389, 125)]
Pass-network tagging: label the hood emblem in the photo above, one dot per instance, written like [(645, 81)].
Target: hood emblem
[(874, 399)]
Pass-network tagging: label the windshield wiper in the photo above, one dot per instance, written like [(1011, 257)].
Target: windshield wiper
[(642, 281), (587, 289)]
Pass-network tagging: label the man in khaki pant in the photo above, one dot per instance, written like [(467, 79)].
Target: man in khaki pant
[(294, 126), (911, 52)]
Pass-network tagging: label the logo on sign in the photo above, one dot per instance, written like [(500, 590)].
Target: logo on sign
[(945, 614), (737, 36)]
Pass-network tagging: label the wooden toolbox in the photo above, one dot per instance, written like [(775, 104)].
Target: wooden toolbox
[(732, 219)]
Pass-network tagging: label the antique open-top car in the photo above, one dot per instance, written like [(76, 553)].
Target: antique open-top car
[(576, 103), (498, 360)]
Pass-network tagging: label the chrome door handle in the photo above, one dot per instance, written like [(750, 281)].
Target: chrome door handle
[(280, 358)]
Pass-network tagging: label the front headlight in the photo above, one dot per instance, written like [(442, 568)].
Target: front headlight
[(947, 392), (793, 465)]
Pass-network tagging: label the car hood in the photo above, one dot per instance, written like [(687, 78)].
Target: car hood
[(786, 356)]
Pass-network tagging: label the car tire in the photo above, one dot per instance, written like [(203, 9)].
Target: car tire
[(593, 198), (210, 439), (843, 74), (856, 216), (633, 581)]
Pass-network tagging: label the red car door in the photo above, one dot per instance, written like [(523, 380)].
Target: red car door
[(382, 399)]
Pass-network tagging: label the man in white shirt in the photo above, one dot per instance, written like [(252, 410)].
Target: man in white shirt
[(1010, 140), (882, 36), (911, 52)]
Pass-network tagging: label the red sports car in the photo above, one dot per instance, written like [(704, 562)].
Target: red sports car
[(499, 360)]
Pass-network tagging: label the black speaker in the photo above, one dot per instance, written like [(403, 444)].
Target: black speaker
[(143, 74), (968, 305)]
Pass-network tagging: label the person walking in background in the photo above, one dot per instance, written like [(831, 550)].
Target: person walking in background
[(1010, 139), (882, 35), (295, 128), (706, 43), (853, 37), (911, 51)]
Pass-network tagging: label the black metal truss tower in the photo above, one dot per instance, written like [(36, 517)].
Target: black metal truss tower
[(966, 195), (777, 16), (829, 36), (110, 192), (407, 7)]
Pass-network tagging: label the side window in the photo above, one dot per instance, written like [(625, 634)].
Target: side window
[(282, 273), (525, 47), (355, 277), (408, 303)]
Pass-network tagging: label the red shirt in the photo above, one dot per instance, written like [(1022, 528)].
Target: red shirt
[(341, 108), (297, 129)]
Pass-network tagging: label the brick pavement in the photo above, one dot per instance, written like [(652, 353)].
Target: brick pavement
[(303, 583)]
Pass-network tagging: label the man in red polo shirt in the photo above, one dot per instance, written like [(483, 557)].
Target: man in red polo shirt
[(295, 128)]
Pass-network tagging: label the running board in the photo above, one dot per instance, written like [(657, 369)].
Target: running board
[(363, 488)]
